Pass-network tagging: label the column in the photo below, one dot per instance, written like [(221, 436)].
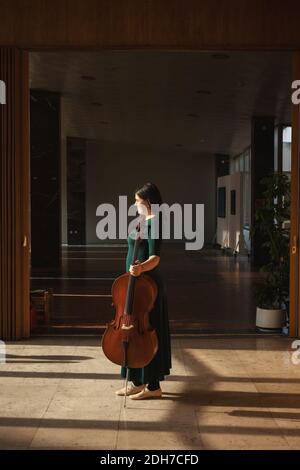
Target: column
[(262, 164)]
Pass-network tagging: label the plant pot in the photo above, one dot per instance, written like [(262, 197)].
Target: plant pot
[(270, 319)]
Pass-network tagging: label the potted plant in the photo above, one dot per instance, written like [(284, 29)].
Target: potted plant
[(272, 220)]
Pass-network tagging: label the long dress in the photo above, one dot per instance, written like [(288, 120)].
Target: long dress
[(158, 317)]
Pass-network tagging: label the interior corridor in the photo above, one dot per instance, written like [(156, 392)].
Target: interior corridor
[(208, 291)]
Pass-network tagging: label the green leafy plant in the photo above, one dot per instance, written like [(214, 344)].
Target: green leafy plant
[(272, 220)]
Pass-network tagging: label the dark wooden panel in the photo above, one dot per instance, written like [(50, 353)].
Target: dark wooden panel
[(222, 24), (295, 211), (14, 214)]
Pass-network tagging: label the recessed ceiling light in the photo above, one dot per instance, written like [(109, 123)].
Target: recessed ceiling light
[(88, 77), (203, 92), (220, 56), (194, 115), (241, 83)]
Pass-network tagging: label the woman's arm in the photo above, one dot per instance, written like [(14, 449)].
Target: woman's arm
[(147, 265)]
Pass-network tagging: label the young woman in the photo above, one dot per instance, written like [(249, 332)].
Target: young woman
[(145, 381)]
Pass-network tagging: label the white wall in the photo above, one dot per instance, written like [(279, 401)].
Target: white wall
[(116, 168), (230, 228)]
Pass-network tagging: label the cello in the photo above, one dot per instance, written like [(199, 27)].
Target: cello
[(129, 340)]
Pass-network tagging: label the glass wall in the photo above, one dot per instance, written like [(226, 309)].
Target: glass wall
[(242, 163), (286, 149), (282, 149)]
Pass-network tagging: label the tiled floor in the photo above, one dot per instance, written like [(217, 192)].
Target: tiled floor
[(227, 392)]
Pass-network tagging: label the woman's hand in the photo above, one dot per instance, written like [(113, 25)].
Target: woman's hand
[(136, 269)]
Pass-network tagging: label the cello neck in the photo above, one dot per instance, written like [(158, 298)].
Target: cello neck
[(130, 289)]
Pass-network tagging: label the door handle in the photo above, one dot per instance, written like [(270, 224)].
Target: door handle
[(294, 247)]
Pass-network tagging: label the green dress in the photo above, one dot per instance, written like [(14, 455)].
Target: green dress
[(158, 317)]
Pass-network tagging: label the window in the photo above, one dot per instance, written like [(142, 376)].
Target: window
[(286, 149)]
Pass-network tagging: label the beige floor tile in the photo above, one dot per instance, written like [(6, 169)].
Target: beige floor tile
[(74, 437), (152, 428), (23, 402), (15, 436), (240, 429), (78, 423), (288, 420)]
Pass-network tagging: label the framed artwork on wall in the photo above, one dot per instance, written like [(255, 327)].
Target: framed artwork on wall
[(232, 201)]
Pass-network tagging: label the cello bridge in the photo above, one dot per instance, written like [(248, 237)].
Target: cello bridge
[(125, 327)]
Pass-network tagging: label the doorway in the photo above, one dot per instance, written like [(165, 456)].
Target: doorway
[(189, 115)]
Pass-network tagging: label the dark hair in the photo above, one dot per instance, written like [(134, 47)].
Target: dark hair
[(150, 192)]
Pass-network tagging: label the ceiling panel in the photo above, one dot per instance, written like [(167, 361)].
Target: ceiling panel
[(189, 100)]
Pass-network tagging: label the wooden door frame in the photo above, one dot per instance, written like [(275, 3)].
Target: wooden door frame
[(295, 174), (15, 198), (295, 210)]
